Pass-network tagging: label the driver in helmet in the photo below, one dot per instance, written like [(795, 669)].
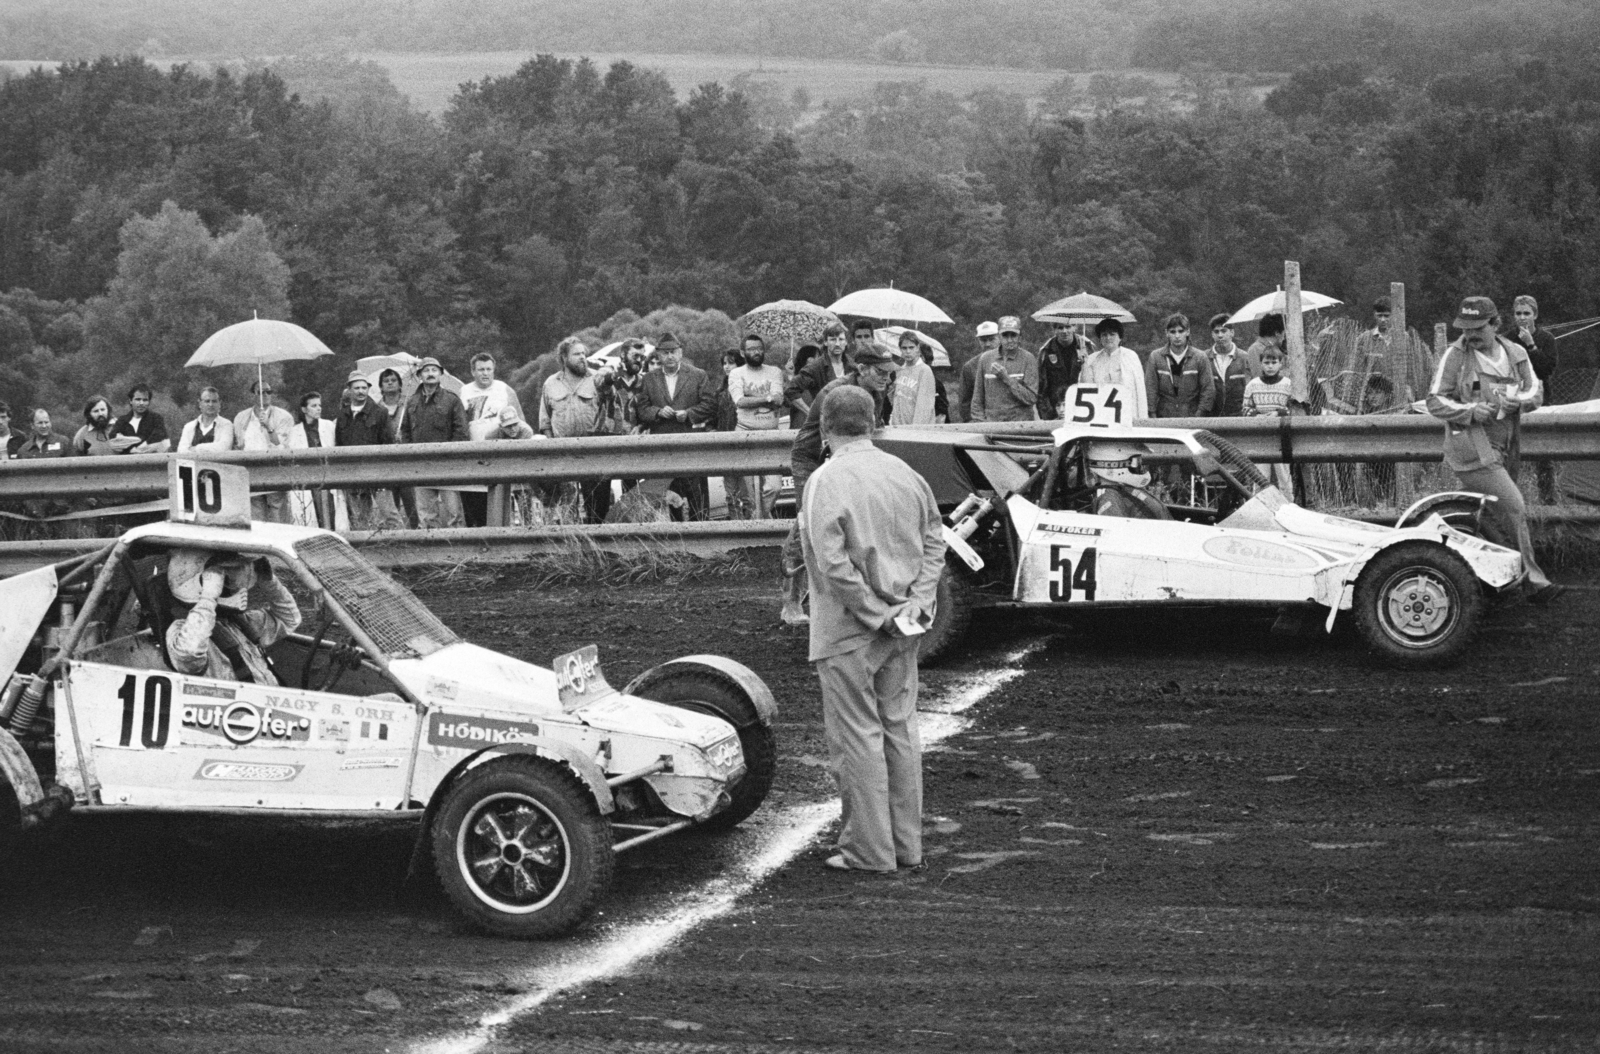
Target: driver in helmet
[(232, 608), (1120, 482)]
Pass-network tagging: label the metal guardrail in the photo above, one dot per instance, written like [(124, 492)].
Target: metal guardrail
[(482, 545), (503, 545), (1402, 437)]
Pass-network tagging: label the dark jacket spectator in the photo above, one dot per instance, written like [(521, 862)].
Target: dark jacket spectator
[(1187, 391), (1060, 360), (368, 426), (151, 428), (1229, 386), (969, 383), (808, 381), (695, 396), (434, 417)]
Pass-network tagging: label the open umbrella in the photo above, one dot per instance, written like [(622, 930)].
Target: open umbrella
[(405, 364), (257, 342), (1272, 304), (889, 336), (1083, 307), (889, 304), (791, 322)]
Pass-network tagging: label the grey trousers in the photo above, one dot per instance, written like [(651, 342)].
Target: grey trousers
[(869, 712), (1509, 513)]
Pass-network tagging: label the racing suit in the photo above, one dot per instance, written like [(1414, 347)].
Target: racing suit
[(229, 647)]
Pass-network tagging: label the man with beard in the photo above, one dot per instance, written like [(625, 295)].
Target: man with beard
[(95, 438), (873, 372), (362, 422), (143, 423), (757, 392), (570, 407)]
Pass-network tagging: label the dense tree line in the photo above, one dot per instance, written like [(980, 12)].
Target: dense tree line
[(141, 208), (1426, 37)]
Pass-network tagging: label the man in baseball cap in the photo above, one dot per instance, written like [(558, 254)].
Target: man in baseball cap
[(988, 335), (1481, 388), (1007, 379), (435, 415), (362, 421)]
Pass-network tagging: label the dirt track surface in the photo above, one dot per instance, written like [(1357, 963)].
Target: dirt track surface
[(1182, 835)]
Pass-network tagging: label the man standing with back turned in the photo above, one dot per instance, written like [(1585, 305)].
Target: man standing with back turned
[(874, 550)]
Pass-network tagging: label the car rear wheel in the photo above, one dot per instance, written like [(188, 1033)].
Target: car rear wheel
[(952, 614), (707, 695), (1417, 604), (521, 849)]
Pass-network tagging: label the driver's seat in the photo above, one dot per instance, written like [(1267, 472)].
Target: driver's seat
[(156, 606)]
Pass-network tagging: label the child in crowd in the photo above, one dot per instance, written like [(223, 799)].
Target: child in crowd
[(1268, 396)]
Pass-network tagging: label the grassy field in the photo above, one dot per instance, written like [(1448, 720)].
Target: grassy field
[(430, 80)]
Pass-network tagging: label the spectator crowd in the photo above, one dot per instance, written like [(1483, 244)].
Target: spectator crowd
[(640, 388)]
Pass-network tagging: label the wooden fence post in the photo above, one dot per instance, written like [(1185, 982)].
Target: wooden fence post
[(1397, 312), (1441, 339), (1294, 332)]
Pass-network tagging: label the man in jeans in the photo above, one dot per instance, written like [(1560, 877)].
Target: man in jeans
[(434, 415), (757, 392)]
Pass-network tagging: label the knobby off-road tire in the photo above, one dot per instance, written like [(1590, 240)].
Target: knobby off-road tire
[(1418, 604), (707, 695), (952, 614), (521, 849), (10, 827)]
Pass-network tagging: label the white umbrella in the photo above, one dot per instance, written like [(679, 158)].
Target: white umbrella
[(890, 337), (257, 342), (405, 364), (1272, 304), (1082, 307), (889, 304)]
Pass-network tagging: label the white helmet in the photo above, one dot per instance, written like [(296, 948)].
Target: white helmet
[(185, 566), (1119, 463)]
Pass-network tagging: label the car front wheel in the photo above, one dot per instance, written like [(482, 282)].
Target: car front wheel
[(707, 695), (1417, 604), (521, 849), (952, 614)]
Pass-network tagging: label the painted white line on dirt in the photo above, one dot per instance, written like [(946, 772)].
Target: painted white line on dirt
[(788, 837)]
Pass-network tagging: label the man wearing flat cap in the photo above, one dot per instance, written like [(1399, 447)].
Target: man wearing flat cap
[(678, 399), (434, 415), (1006, 382), (872, 371), (361, 422), (1481, 387)]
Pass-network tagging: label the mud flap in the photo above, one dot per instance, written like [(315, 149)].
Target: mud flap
[(735, 675), (958, 545)]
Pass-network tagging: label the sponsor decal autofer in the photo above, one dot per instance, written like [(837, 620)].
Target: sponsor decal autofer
[(241, 722)]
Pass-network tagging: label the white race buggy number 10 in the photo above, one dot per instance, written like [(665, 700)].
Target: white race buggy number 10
[(1098, 405)]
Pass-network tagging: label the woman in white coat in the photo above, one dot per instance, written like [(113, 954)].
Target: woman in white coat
[(1115, 364), (312, 508)]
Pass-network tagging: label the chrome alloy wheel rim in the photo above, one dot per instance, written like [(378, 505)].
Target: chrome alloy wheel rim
[(513, 852), (1419, 606)]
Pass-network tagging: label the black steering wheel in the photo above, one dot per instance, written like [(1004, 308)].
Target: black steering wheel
[(336, 657)]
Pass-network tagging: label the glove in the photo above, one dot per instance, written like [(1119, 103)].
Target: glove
[(211, 583)]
